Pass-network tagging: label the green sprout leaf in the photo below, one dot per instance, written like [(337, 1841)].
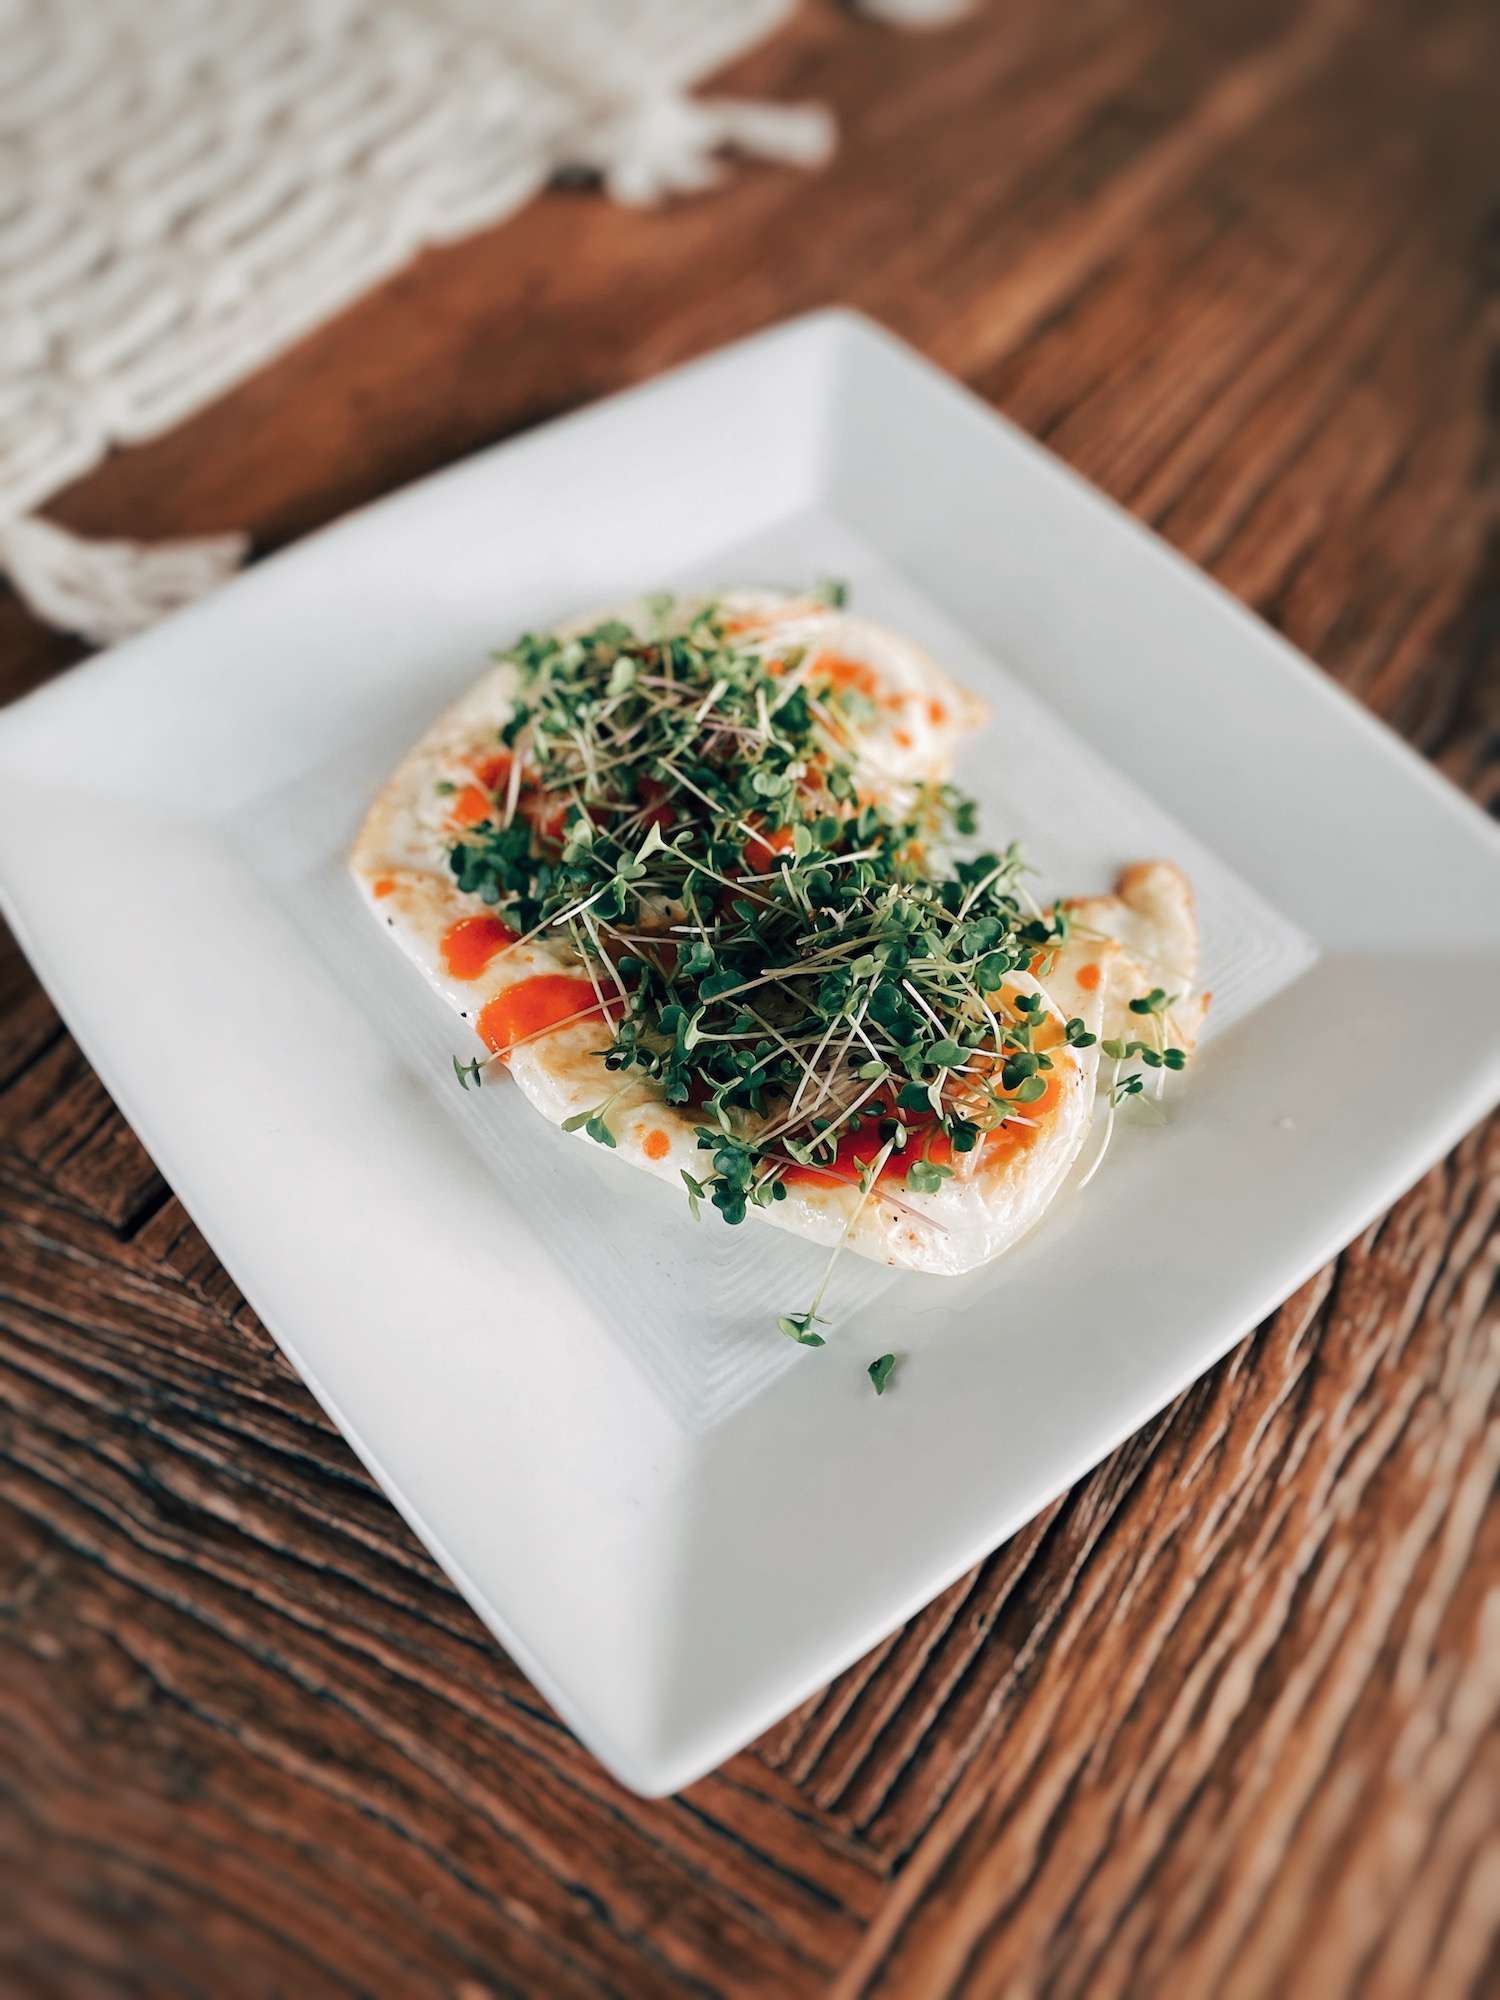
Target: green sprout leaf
[(799, 1327), (828, 1010), (1154, 1002), (948, 1054)]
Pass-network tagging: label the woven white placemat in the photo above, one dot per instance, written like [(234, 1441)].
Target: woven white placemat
[(188, 186)]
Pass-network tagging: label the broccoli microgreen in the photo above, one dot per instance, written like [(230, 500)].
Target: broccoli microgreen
[(819, 976)]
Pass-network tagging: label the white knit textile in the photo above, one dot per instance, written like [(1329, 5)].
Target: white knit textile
[(188, 186), (104, 591)]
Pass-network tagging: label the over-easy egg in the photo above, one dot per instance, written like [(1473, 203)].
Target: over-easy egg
[(533, 1003)]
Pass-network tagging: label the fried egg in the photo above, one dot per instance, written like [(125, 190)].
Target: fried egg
[(544, 1012)]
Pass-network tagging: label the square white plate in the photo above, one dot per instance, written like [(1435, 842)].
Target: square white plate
[(676, 1522)]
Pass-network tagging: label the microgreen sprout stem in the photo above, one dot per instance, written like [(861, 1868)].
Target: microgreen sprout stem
[(818, 975)]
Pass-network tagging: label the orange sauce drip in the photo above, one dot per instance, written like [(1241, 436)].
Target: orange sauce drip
[(532, 1005), (656, 1145), (384, 886), (472, 942), (834, 671), (478, 801), (546, 815), (1012, 1137), (761, 852), (492, 772), (927, 1141), (470, 807), (902, 738), (856, 1150), (1088, 977), (937, 715)]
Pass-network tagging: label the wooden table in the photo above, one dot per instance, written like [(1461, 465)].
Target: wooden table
[(1220, 1722)]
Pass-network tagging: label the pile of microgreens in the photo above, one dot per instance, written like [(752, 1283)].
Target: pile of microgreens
[(791, 958)]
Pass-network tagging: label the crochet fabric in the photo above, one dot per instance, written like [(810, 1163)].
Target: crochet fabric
[(187, 186)]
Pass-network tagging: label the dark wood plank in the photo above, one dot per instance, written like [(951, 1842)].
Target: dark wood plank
[(1223, 1719), (1261, 1637)]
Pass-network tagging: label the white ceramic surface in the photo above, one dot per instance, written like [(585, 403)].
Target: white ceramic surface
[(677, 1524)]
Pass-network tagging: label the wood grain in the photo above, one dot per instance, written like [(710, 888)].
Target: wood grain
[(1223, 1720)]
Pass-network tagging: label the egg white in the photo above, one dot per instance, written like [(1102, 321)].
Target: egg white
[(399, 861)]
